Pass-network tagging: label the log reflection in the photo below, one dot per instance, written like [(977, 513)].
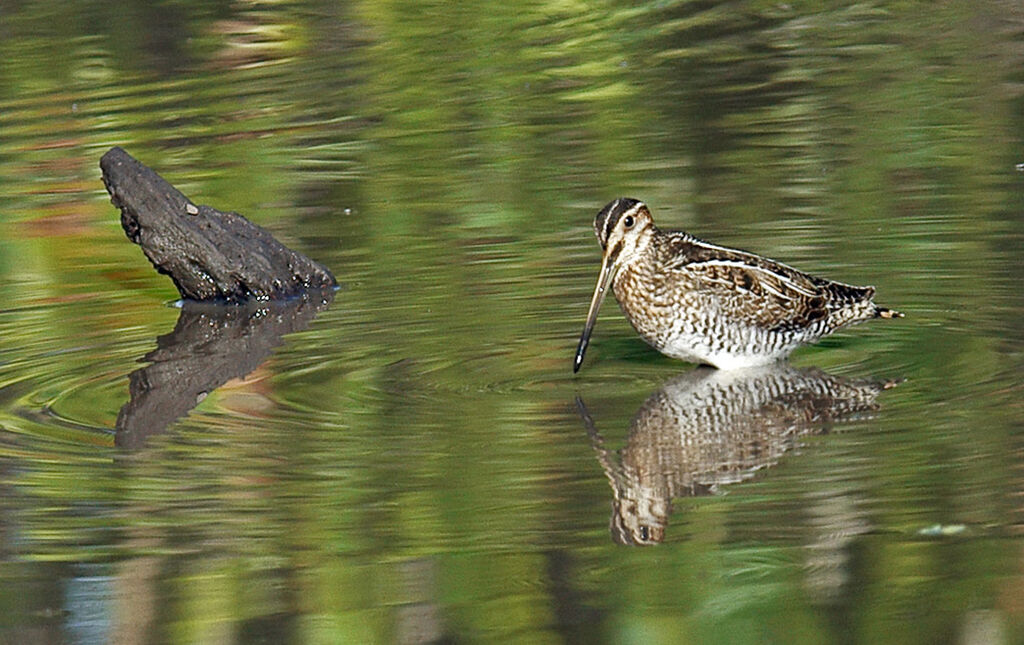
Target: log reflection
[(707, 427), (210, 345)]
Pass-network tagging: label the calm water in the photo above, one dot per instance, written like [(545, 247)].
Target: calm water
[(414, 462)]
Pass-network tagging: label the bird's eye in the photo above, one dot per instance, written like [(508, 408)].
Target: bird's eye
[(628, 222)]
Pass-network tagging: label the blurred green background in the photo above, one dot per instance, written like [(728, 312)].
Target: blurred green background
[(412, 467)]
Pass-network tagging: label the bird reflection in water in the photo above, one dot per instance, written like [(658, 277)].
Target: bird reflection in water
[(707, 427)]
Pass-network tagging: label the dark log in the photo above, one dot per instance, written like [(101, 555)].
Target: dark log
[(210, 255), (209, 346)]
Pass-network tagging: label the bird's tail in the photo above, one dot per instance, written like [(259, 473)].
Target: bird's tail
[(885, 312)]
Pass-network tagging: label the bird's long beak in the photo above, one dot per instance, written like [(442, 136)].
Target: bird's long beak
[(608, 268)]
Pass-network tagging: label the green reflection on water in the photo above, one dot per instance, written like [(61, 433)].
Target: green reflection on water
[(412, 463)]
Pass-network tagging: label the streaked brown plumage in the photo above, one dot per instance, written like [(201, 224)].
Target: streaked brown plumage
[(711, 304)]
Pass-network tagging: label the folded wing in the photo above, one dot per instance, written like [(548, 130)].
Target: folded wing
[(767, 294)]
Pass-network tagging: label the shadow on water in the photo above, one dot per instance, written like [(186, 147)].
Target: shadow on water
[(210, 345), (708, 427)]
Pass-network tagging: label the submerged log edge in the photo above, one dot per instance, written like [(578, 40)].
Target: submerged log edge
[(210, 255)]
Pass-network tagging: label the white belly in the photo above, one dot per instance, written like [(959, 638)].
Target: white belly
[(696, 350), (706, 332), (720, 343)]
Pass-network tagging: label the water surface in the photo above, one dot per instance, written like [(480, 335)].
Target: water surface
[(414, 461)]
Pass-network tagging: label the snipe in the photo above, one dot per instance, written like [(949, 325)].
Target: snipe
[(710, 304)]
